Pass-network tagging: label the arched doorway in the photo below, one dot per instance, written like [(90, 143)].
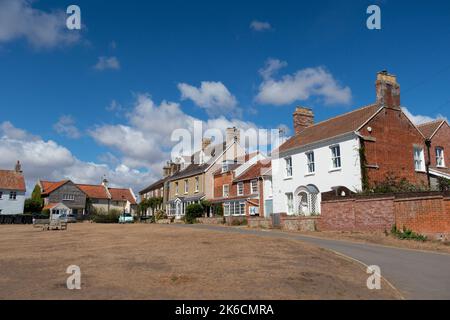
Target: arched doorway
[(307, 200)]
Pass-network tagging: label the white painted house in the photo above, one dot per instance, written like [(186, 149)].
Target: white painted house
[(12, 191), (301, 175)]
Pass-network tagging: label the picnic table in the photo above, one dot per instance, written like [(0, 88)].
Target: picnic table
[(50, 224)]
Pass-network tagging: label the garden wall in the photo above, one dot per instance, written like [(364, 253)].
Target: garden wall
[(427, 213)]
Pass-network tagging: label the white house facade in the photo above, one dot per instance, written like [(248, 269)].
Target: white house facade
[(12, 191), (302, 174)]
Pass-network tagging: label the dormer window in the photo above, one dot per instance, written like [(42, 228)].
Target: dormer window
[(440, 160), (225, 167)]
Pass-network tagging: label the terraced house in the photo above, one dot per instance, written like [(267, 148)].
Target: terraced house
[(356, 150), (194, 182)]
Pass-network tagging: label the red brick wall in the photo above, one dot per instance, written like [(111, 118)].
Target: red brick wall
[(429, 215), (423, 215), (394, 146), (441, 139), (219, 181), (358, 215)]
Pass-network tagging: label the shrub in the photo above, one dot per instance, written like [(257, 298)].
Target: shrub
[(394, 184), (443, 184), (111, 217), (218, 210), (160, 214), (407, 234), (33, 206), (193, 211)]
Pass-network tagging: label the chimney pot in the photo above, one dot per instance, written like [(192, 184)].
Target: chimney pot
[(233, 134), (303, 118)]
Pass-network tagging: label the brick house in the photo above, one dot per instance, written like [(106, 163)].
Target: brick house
[(12, 191), (245, 189), (437, 134), (355, 150)]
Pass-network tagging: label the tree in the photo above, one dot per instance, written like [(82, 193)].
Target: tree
[(36, 195)]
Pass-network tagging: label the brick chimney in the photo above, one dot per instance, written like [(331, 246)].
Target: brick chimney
[(388, 90), (18, 167), (303, 118)]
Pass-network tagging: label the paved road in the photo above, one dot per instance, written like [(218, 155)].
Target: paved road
[(417, 274)]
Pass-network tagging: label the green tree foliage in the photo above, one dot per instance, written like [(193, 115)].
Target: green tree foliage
[(443, 184), (32, 206), (36, 195)]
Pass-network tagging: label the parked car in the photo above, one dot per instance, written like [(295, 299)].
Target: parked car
[(69, 218), (126, 218)]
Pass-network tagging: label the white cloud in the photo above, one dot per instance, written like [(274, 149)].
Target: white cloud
[(8, 130), (105, 63), (260, 25), (18, 19), (66, 127), (214, 97), (420, 119), (302, 85), (47, 160)]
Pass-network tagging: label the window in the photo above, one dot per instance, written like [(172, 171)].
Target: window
[(419, 159), (440, 162), (336, 157), (288, 167), (254, 185), (197, 184), (224, 167), (1, 195), (234, 208), (12, 195), (176, 188), (240, 189), (68, 197), (186, 186), (226, 191), (290, 203), (310, 162)]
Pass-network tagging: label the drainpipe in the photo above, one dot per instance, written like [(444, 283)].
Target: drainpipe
[(428, 144)]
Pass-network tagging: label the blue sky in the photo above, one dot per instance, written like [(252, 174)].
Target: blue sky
[(83, 104)]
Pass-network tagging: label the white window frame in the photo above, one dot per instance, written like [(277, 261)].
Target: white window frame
[(240, 189), (197, 184), (336, 157), (310, 162), (290, 203), (186, 186), (226, 191), (288, 164), (419, 159), (68, 197), (225, 167), (440, 158), (253, 187)]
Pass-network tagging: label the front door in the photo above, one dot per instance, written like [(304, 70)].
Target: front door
[(303, 205)]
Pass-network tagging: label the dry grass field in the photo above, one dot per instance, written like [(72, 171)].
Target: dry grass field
[(144, 261)]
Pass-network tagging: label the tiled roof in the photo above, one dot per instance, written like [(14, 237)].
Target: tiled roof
[(255, 171), (94, 191), (120, 194), (155, 185), (12, 180), (48, 186), (330, 128), (191, 170), (429, 128), (231, 167)]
